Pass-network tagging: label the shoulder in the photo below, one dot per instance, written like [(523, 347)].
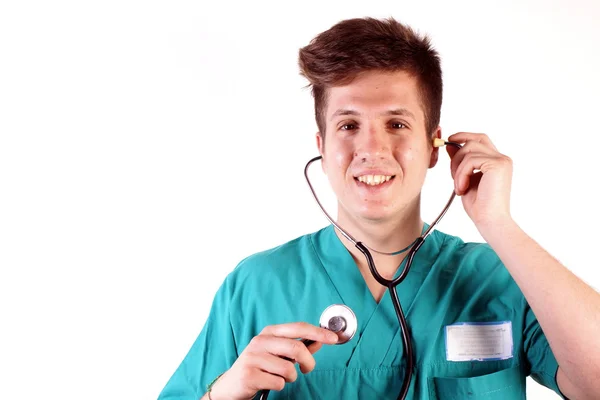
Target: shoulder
[(264, 282), (474, 256), (475, 269), (278, 261)]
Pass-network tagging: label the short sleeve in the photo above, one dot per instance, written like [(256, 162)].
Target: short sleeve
[(213, 352), (542, 364)]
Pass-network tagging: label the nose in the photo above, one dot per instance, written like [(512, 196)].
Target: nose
[(372, 144)]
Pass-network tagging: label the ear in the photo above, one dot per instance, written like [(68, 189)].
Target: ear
[(321, 147), (436, 150), (320, 143)]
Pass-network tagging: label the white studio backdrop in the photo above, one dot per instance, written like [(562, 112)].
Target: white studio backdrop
[(147, 147)]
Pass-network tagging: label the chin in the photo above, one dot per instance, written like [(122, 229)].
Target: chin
[(374, 214)]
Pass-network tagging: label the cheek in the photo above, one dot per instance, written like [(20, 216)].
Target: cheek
[(342, 159), (406, 155), (339, 157), (409, 156)]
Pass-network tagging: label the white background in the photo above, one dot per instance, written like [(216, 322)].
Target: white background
[(147, 147)]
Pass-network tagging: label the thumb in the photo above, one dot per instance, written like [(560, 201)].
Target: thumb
[(451, 150)]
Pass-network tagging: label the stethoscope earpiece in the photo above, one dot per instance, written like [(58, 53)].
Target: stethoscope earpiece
[(437, 142)]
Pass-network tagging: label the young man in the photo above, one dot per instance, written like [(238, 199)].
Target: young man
[(378, 94)]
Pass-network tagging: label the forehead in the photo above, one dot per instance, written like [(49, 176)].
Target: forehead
[(376, 92)]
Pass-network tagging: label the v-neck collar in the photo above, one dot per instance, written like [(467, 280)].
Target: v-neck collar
[(374, 319), (341, 267)]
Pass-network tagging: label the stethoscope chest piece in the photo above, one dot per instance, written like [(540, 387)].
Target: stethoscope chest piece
[(340, 319)]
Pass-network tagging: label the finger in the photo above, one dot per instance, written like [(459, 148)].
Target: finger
[(301, 330), (464, 137), (452, 151), (284, 347), (470, 148), (470, 165), (475, 179), (275, 365), (262, 380), (314, 347), (485, 146)]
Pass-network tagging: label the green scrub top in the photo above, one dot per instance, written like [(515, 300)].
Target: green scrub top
[(450, 283)]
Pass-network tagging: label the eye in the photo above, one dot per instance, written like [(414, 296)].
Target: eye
[(398, 125), (348, 127)]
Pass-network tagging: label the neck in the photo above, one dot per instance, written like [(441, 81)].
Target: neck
[(385, 236)]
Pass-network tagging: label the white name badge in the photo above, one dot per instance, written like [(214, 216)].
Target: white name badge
[(479, 341)]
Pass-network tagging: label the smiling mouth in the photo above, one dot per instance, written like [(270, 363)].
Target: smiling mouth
[(374, 180)]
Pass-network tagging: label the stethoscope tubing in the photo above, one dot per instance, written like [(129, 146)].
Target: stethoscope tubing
[(390, 284)]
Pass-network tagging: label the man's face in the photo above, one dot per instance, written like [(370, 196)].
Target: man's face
[(376, 151)]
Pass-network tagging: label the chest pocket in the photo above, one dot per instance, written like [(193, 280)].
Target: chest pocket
[(505, 384)]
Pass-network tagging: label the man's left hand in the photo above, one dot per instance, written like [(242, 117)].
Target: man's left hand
[(482, 177)]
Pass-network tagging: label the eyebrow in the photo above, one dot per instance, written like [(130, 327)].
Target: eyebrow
[(403, 112)]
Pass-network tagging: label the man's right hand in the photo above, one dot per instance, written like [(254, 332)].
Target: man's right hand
[(261, 366)]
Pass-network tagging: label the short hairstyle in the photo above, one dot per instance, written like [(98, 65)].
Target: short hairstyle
[(336, 56)]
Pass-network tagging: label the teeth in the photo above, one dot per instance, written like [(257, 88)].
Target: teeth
[(374, 179)]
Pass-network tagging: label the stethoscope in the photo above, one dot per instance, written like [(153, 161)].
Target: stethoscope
[(340, 318)]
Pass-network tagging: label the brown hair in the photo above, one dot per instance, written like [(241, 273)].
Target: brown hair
[(337, 55)]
